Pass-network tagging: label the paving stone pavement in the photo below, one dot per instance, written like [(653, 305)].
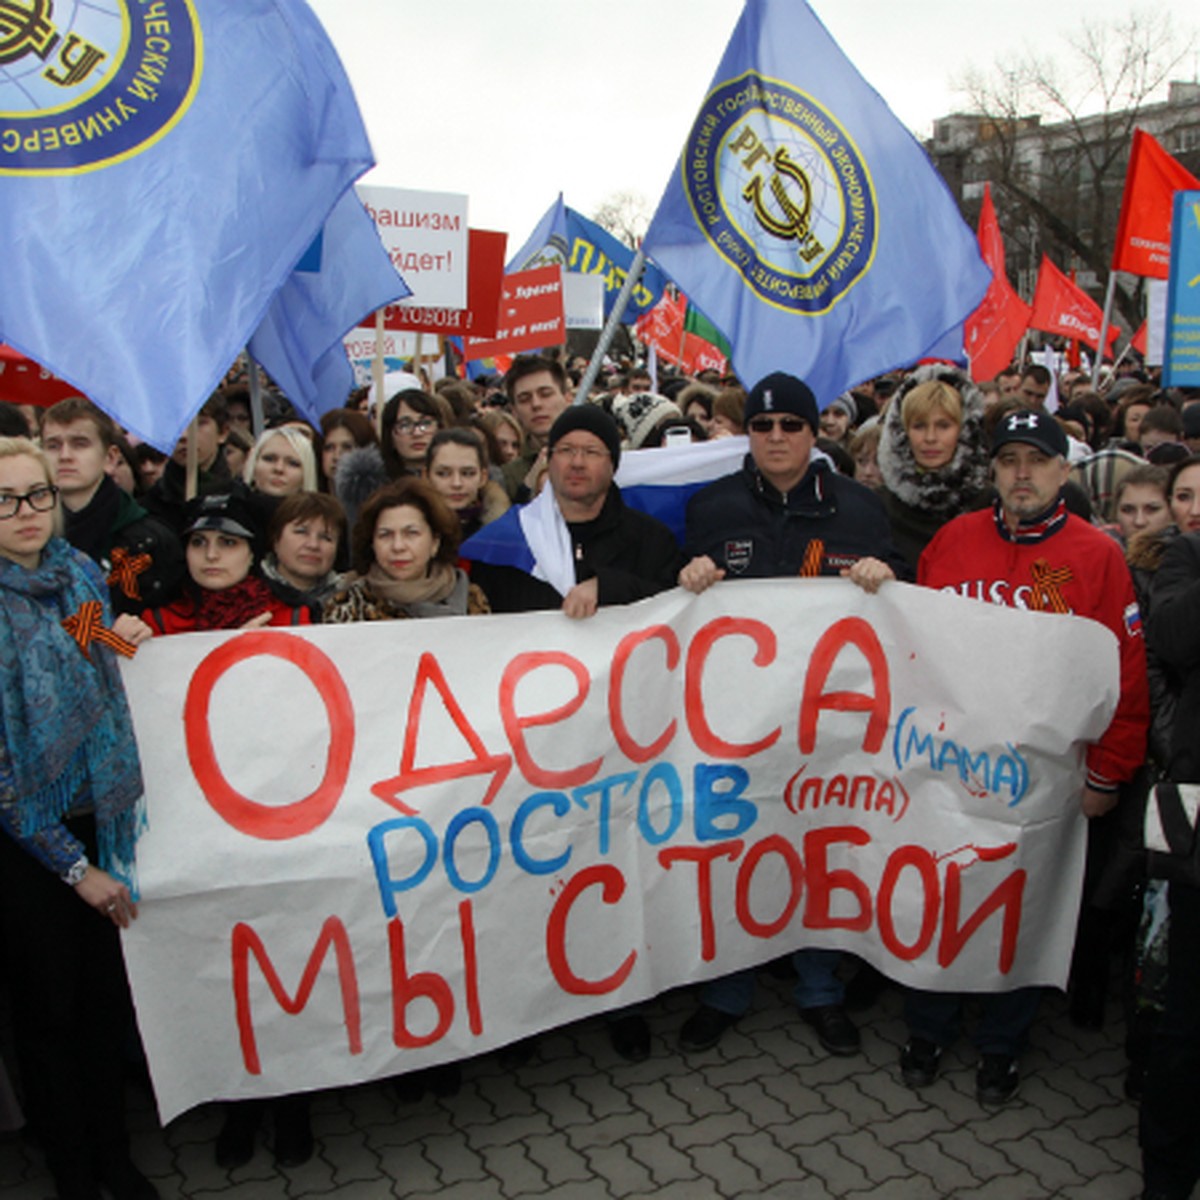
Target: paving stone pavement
[(764, 1114)]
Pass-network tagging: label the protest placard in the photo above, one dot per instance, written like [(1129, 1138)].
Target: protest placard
[(376, 847), (425, 233), (530, 315), (485, 271)]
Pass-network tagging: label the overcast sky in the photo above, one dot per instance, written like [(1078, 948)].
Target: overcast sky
[(511, 101)]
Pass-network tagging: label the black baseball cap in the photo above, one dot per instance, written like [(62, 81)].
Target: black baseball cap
[(1034, 428)]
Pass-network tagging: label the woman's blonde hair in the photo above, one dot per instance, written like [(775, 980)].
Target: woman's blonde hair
[(15, 447), (927, 397), (299, 441)]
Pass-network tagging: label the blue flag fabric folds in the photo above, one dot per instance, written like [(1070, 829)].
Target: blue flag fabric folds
[(163, 168), (805, 221), (582, 246), (299, 342)]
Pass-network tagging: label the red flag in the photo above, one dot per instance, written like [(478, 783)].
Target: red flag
[(22, 381), (992, 331), (1143, 245), (1061, 307), (1139, 340), (663, 328)]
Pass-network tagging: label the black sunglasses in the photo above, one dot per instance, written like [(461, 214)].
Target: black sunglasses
[(787, 424)]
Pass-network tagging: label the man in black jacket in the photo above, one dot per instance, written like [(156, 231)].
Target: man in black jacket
[(140, 556), (785, 514), (616, 555), (619, 554)]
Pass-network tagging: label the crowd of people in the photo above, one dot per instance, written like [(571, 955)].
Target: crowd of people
[(1085, 501)]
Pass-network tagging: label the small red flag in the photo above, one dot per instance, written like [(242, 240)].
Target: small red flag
[(992, 331), (1061, 307), (1143, 245), (1138, 342), (662, 327), (22, 381)]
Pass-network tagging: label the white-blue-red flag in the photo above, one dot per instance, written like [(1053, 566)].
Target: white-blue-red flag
[(533, 537), (164, 165), (805, 220)]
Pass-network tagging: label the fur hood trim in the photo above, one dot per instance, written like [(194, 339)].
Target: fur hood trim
[(495, 502), (949, 489), (360, 473)]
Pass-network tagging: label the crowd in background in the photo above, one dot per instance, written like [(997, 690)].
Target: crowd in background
[(362, 518)]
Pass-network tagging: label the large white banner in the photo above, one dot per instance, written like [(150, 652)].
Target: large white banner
[(376, 847)]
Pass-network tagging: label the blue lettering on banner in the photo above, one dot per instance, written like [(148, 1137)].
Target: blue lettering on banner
[(982, 772)]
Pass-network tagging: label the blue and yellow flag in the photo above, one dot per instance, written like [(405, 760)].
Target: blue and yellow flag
[(164, 164), (582, 246), (805, 220)]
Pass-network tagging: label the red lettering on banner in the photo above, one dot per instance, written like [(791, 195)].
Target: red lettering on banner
[(1007, 896), (822, 882), (424, 985), (925, 865), (633, 750), (270, 822), (703, 857), (612, 887), (706, 740), (466, 926), (852, 631), (775, 844), (429, 671), (515, 726), (244, 941)]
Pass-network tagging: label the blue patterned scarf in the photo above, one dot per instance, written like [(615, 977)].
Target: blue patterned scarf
[(66, 722)]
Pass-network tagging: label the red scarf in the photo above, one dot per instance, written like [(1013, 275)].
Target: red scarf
[(232, 607)]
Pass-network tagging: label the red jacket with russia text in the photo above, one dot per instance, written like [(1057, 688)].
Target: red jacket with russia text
[(1058, 564)]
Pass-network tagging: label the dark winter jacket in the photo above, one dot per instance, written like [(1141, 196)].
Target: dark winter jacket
[(1174, 635), (139, 556), (631, 555), (824, 524)]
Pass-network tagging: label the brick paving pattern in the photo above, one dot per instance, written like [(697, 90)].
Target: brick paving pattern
[(764, 1114)]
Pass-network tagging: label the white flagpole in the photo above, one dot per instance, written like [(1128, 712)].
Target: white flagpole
[(1109, 294), (610, 326)]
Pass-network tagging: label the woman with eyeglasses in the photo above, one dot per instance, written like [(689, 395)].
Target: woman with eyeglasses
[(70, 814), (410, 419)]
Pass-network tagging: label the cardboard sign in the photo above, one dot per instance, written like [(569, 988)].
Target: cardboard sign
[(375, 847), (530, 316), (484, 276), (425, 233)]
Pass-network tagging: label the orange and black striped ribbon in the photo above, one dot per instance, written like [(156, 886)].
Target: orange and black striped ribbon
[(1047, 580), (86, 626), (126, 568), (814, 555)]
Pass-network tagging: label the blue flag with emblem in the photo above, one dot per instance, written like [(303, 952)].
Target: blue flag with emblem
[(585, 248), (805, 220), (164, 165)]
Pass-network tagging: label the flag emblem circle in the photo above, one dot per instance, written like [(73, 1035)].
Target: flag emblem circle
[(87, 83), (782, 193)]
